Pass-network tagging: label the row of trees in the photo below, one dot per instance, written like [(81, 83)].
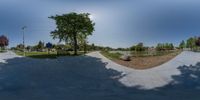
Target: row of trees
[(38, 47), (193, 43), (164, 46), (159, 47), (41, 46), (138, 47)]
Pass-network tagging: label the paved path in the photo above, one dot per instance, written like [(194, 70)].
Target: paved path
[(154, 77), (94, 77), (7, 55)]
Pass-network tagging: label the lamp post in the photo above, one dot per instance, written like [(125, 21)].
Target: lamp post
[(23, 29)]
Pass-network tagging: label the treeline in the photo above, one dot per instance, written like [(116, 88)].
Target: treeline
[(164, 46), (159, 47), (43, 47), (138, 47), (193, 43), (38, 47)]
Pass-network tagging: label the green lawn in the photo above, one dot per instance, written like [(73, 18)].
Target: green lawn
[(153, 53), (112, 56), (2, 51), (42, 55)]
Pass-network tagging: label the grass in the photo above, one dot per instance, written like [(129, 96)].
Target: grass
[(43, 55), (112, 56), (2, 51), (152, 53)]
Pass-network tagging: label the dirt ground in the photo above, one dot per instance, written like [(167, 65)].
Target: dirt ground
[(146, 62)]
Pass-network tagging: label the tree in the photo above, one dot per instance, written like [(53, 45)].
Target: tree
[(20, 47), (164, 46), (40, 45), (140, 47), (28, 48), (83, 42), (70, 26), (133, 48), (182, 44), (3, 41), (198, 42), (159, 47), (171, 46), (191, 43), (93, 46)]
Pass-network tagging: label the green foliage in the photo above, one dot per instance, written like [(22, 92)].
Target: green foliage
[(82, 41), (164, 46), (20, 47), (28, 48), (123, 49), (191, 43), (182, 44), (152, 53), (71, 26), (40, 45), (109, 55), (44, 55), (93, 47), (138, 47), (37, 54)]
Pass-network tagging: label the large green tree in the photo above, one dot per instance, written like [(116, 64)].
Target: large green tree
[(70, 26), (191, 43)]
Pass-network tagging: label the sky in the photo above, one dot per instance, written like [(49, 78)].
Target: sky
[(119, 23)]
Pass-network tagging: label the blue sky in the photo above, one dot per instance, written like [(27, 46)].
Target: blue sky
[(119, 23)]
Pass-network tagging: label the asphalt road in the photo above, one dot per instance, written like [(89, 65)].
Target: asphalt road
[(94, 77)]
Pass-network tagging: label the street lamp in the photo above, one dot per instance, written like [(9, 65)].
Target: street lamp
[(23, 29)]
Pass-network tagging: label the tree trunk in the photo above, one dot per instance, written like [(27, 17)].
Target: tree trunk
[(48, 51), (85, 47), (75, 43)]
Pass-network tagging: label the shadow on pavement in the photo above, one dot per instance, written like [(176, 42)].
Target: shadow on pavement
[(85, 78)]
